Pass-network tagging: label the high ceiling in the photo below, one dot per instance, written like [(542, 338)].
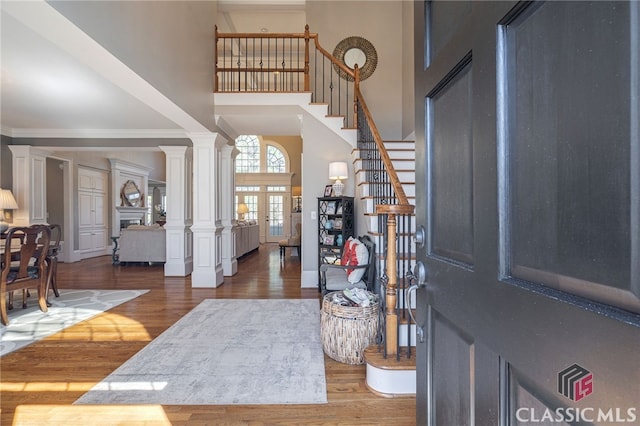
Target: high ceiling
[(50, 87)]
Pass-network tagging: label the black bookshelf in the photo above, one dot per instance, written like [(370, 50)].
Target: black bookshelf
[(336, 223)]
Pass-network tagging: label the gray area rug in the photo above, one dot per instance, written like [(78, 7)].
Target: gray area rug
[(30, 325), (226, 352)]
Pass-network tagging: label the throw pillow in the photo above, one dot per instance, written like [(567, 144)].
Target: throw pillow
[(360, 256), (346, 252)]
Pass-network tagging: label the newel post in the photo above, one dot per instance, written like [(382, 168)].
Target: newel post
[(356, 93), (215, 46), (306, 58), (392, 211), (391, 296)]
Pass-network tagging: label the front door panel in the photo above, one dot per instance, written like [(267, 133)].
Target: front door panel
[(528, 184)]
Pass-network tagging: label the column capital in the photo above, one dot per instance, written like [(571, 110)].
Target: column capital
[(174, 150)]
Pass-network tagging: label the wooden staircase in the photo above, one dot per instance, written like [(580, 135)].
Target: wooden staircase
[(390, 376)]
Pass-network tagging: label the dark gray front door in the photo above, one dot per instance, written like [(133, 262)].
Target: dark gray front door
[(528, 188)]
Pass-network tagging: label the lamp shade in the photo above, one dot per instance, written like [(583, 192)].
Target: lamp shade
[(338, 170), (7, 201), (242, 208)]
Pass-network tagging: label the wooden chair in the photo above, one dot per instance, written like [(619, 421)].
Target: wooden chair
[(294, 241), (333, 277), (52, 258), (24, 266)]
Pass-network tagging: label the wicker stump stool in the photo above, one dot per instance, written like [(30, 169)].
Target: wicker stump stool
[(346, 331)]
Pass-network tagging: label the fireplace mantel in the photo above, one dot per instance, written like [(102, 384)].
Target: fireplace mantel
[(121, 172), (129, 214)]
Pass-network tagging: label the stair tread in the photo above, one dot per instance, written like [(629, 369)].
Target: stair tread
[(399, 142), (375, 358), (366, 182), (372, 196)]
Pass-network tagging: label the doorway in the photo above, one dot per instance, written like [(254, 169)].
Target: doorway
[(269, 206)]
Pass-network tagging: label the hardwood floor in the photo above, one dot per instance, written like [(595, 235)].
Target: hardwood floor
[(39, 383)]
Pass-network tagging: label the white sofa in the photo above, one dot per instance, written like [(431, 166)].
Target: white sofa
[(247, 238), (139, 243)]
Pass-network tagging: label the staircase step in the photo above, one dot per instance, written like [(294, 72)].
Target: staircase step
[(369, 203), (405, 176), (375, 357), (393, 153), (390, 377)]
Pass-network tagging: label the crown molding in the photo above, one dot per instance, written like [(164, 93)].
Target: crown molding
[(97, 133)]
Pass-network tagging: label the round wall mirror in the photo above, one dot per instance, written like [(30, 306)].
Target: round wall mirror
[(354, 56), (356, 50), (130, 194)]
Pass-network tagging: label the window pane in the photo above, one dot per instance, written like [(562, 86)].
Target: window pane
[(275, 160), (276, 188), (248, 161), (276, 215)]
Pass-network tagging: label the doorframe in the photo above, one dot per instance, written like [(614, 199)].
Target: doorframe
[(68, 252)]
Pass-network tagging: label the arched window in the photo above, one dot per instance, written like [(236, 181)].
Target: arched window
[(275, 160), (252, 160), (248, 161)]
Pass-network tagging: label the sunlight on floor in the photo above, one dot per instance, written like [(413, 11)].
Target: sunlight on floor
[(91, 414), (45, 386)]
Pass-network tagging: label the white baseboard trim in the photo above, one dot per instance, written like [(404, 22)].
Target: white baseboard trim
[(309, 279)]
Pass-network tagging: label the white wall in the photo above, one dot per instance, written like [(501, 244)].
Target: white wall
[(168, 43), (320, 146), (380, 22), (155, 160), (408, 57)]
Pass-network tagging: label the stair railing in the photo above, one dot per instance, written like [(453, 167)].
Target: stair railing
[(259, 63), (394, 220), (277, 62)]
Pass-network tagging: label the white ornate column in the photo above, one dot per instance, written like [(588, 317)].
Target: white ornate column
[(206, 228), (179, 184), (227, 194), (29, 185)]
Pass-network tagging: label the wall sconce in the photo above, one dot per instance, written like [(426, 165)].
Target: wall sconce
[(7, 202), (242, 210), (337, 171)]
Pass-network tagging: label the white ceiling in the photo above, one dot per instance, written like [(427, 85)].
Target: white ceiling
[(51, 85)]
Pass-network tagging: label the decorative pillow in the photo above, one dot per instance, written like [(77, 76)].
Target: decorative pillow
[(346, 252), (354, 253)]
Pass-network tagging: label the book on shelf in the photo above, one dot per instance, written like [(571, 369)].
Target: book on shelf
[(331, 207)]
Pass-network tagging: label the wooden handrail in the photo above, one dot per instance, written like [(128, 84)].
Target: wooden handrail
[(333, 60), (384, 155)]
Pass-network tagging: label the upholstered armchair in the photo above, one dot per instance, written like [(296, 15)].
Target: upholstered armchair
[(357, 268)]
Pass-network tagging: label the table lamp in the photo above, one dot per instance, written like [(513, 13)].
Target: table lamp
[(7, 202), (242, 209), (337, 171)]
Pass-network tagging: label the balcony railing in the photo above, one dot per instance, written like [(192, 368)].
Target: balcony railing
[(259, 63)]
